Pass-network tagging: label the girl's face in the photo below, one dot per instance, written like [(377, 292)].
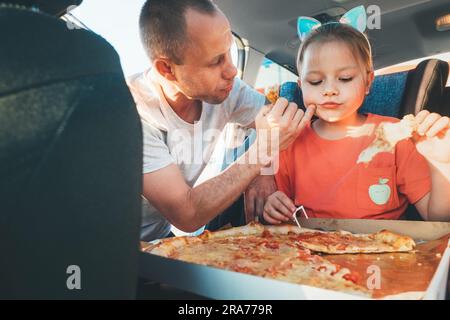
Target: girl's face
[(333, 80)]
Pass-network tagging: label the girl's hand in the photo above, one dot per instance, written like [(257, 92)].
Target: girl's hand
[(433, 140), (278, 208)]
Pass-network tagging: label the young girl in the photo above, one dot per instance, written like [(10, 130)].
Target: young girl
[(319, 170)]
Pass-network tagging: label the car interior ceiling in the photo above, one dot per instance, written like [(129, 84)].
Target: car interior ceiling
[(407, 27)]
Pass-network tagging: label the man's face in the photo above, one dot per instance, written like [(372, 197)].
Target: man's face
[(207, 72)]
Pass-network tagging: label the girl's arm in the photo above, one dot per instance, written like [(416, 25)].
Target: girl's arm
[(434, 145), (436, 204)]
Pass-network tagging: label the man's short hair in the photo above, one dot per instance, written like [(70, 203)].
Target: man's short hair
[(162, 26)]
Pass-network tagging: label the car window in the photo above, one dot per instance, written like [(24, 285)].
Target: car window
[(271, 74), (408, 65), (234, 53)]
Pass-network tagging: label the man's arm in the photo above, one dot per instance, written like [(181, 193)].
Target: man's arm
[(190, 208), (256, 194)]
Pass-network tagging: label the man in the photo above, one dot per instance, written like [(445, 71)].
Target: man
[(185, 100)]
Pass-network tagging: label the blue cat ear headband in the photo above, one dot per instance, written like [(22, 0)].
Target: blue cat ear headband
[(356, 18)]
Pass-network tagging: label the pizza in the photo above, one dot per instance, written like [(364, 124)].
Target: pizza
[(272, 93), (344, 242), (284, 252), (387, 135)]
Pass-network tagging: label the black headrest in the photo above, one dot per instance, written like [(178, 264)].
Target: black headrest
[(53, 7), (41, 42), (446, 101), (70, 163), (425, 87)]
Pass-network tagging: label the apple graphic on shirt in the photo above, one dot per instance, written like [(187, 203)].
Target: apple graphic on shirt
[(380, 193)]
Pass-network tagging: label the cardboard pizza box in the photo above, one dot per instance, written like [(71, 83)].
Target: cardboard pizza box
[(421, 276)]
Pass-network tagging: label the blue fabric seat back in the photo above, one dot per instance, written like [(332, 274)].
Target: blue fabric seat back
[(386, 95)]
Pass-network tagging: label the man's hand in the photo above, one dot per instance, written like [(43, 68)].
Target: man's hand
[(279, 125), (278, 208), (256, 194), (433, 140)]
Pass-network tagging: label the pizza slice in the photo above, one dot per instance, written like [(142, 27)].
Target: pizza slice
[(272, 93), (344, 242), (387, 135)]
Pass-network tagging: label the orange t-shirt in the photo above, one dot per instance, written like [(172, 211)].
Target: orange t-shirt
[(323, 176)]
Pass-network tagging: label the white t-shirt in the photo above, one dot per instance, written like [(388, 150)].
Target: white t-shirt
[(169, 139)]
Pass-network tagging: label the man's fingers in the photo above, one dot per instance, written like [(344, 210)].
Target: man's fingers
[(279, 107), (438, 126), (290, 112), (265, 110), (249, 207), (298, 118), (307, 117), (259, 206), (427, 123)]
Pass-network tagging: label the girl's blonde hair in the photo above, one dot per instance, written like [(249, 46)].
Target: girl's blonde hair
[(329, 32)]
